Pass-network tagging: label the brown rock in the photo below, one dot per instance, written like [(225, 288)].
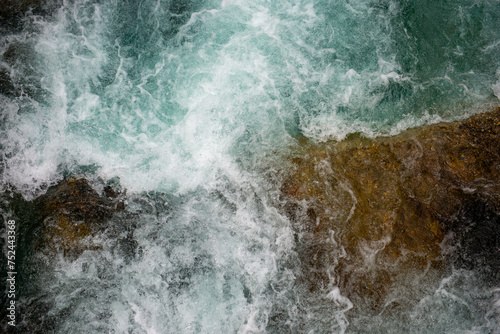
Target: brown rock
[(73, 211), (378, 209)]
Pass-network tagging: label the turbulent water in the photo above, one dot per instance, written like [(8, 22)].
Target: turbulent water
[(191, 106)]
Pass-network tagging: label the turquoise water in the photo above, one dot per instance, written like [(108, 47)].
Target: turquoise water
[(191, 105)]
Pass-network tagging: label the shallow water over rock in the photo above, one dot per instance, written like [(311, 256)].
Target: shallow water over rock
[(381, 218)]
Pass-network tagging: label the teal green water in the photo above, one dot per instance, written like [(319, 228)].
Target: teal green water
[(199, 100)]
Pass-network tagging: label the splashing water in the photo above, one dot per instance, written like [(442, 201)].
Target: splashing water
[(191, 105)]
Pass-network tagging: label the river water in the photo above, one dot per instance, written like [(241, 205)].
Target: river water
[(192, 106)]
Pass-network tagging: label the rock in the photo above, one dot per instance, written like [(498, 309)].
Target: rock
[(376, 210), (73, 211)]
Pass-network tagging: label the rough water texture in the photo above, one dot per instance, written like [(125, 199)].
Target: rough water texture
[(193, 108)]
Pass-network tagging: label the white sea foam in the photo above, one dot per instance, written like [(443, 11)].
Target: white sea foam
[(198, 101)]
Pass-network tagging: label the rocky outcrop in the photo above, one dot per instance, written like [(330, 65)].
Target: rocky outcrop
[(377, 210)]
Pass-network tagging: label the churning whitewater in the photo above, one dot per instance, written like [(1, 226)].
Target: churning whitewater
[(190, 107)]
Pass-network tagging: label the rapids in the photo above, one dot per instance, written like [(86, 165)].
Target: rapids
[(192, 107)]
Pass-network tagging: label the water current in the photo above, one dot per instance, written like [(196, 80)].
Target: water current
[(192, 107)]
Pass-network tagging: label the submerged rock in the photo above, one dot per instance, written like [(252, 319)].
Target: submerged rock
[(73, 211), (377, 210)]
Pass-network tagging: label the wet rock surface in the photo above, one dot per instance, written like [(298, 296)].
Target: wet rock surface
[(65, 219), (73, 211), (388, 212), (70, 218)]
